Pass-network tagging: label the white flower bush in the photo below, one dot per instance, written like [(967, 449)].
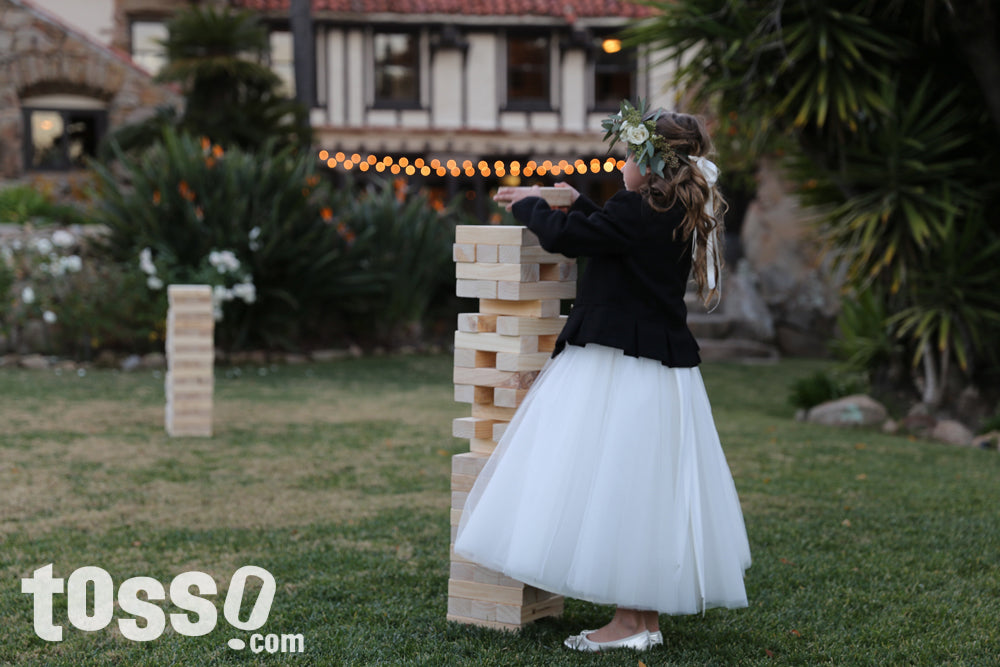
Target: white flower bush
[(220, 270)]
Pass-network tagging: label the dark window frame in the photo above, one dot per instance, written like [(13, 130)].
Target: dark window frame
[(63, 163), (631, 66), (390, 103), (543, 103)]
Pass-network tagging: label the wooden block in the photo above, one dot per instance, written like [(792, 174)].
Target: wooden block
[(471, 427), (487, 253), (199, 373), (494, 342), (495, 235), (509, 325), (483, 411), (458, 499), (456, 516), (460, 571), (476, 289), (487, 592), (556, 197), (484, 445), (462, 483), (507, 398), (459, 607), (528, 254), (478, 322), (499, 429), (516, 272), (534, 361), (518, 291), (466, 393), (530, 308), (468, 463), (463, 252), (563, 271), (547, 344), (489, 377), (465, 358)]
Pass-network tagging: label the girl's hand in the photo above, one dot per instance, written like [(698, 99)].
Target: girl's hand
[(576, 193), (509, 195)]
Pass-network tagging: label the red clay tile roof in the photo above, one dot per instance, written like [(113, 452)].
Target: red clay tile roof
[(567, 8)]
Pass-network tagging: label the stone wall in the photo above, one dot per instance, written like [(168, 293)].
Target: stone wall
[(41, 56)]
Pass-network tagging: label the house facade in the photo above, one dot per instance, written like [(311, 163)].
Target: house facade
[(458, 94)]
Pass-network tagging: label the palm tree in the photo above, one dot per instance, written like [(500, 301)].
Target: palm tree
[(893, 112)]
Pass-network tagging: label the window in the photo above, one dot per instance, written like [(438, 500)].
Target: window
[(282, 60), (397, 69), (147, 50), (528, 72), (614, 72), (62, 138)]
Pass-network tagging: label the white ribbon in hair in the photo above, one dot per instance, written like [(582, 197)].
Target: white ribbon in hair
[(710, 172)]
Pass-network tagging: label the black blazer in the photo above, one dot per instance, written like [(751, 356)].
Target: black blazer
[(631, 293)]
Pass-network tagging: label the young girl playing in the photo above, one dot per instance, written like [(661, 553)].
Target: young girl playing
[(610, 484)]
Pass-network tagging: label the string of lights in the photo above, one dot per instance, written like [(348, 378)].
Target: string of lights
[(403, 165)]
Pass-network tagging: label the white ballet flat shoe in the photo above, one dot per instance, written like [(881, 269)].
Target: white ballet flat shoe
[(580, 642), (655, 639)]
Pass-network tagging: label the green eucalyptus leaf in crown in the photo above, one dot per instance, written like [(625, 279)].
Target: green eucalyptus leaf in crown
[(650, 150)]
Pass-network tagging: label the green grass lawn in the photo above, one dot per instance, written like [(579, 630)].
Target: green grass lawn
[(868, 549)]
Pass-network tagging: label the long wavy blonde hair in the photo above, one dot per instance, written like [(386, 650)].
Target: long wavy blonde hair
[(688, 136)]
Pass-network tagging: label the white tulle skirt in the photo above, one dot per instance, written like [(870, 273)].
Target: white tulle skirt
[(610, 485)]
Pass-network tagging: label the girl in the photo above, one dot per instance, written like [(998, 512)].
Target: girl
[(610, 484)]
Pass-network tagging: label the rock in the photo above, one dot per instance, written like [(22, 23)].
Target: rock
[(856, 410), (953, 432), (745, 307), (918, 424), (131, 362), (890, 427), (329, 355), (106, 359), (154, 360), (33, 361), (798, 343), (989, 440)]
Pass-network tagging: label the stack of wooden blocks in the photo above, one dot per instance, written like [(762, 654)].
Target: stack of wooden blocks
[(498, 352), (190, 360)]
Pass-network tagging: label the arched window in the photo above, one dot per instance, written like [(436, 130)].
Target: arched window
[(62, 131)]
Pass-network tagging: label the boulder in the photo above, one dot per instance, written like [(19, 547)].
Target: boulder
[(856, 410), (953, 432)]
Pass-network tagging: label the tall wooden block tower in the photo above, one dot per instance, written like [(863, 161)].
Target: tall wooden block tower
[(190, 360), (498, 353)]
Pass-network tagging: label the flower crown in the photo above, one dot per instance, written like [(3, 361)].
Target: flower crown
[(650, 150)]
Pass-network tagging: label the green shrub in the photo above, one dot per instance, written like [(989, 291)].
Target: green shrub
[(408, 253), (185, 199), (823, 386), (23, 204), (78, 302)]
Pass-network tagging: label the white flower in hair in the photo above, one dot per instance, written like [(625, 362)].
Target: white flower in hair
[(634, 134)]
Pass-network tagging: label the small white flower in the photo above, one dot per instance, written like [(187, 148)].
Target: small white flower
[(49, 317), (72, 263), (146, 262), (254, 235), (224, 261), (16, 244), (221, 294), (153, 282), (217, 313), (635, 134), (43, 268), (62, 238), (245, 291), (28, 295), (43, 245)]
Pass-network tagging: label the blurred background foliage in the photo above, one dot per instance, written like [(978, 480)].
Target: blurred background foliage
[(888, 115)]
